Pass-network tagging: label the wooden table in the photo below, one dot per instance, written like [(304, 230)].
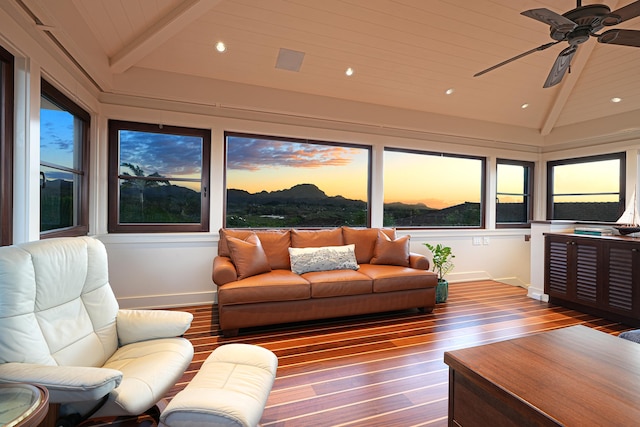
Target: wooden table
[(574, 376)]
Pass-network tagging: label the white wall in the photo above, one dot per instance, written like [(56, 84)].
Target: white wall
[(154, 270), (144, 267)]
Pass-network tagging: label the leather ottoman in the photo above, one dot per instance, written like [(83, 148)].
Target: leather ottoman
[(231, 389)]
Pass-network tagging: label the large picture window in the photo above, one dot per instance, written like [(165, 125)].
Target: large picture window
[(514, 198), (64, 154), (423, 189), (158, 178), (6, 147), (587, 188), (282, 182)]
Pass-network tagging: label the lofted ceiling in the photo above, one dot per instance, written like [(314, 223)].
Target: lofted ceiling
[(404, 53)]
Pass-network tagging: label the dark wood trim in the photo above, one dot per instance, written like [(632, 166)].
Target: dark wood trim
[(6, 146), (369, 149), (622, 157), (528, 188), (55, 96), (114, 226)]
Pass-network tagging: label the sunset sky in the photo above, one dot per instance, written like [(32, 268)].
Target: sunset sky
[(255, 165), (593, 177), (436, 181)]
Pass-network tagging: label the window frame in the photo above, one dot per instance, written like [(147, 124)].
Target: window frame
[(113, 225), (58, 98), (621, 156), (483, 189), (6, 146), (369, 149), (529, 188)]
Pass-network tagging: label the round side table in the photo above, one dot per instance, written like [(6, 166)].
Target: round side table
[(22, 405)]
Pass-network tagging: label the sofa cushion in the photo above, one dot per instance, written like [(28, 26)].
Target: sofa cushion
[(365, 240), (390, 278), (325, 284), (248, 256), (277, 285), (391, 252), (326, 258), (274, 243), (316, 238)]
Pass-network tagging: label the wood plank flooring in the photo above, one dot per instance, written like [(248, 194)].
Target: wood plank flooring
[(387, 369)]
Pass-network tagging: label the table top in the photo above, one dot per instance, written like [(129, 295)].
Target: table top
[(22, 404), (575, 375)]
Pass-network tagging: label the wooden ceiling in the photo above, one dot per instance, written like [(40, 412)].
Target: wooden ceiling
[(404, 53)]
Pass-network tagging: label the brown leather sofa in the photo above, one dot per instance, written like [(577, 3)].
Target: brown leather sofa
[(257, 287)]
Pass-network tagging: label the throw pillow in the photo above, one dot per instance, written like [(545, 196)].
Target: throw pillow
[(248, 256), (365, 240), (305, 260), (391, 252)]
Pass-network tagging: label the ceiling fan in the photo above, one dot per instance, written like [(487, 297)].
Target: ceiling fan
[(575, 27)]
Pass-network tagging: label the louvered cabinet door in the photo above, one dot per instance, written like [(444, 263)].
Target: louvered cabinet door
[(623, 270), (588, 280), (558, 278)]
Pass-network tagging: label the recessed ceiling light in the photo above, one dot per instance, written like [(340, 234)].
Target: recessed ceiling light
[(349, 71), (449, 91), (221, 47), (525, 105), (616, 100)]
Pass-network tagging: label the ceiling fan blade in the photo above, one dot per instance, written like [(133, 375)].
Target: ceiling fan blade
[(621, 37), (623, 14), (542, 47), (556, 21), (560, 67)]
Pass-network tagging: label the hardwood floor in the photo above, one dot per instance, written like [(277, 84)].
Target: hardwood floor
[(387, 369)]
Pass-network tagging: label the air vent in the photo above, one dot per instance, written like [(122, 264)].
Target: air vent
[(289, 60)]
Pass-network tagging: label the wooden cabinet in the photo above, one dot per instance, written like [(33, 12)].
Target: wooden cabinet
[(594, 274)]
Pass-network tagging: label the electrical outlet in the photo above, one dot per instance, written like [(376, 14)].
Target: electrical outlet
[(485, 240), (477, 241)]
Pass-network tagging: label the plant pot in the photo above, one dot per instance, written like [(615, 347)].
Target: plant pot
[(442, 291)]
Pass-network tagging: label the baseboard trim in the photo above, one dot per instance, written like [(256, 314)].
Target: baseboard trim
[(168, 300)]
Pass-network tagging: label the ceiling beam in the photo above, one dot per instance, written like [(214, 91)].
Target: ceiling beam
[(566, 87), (158, 33), (577, 67)]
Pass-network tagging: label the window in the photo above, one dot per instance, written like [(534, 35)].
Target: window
[(6, 147), (514, 185), (158, 178), (587, 188), (64, 154), (424, 189), (282, 182)]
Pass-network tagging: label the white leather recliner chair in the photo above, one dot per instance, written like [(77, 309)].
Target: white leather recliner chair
[(61, 327)]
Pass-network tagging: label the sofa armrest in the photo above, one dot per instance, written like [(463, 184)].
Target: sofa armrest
[(142, 325), (64, 383), (418, 261), (223, 271)]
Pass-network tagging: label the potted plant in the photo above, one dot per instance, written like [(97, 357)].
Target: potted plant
[(442, 264)]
